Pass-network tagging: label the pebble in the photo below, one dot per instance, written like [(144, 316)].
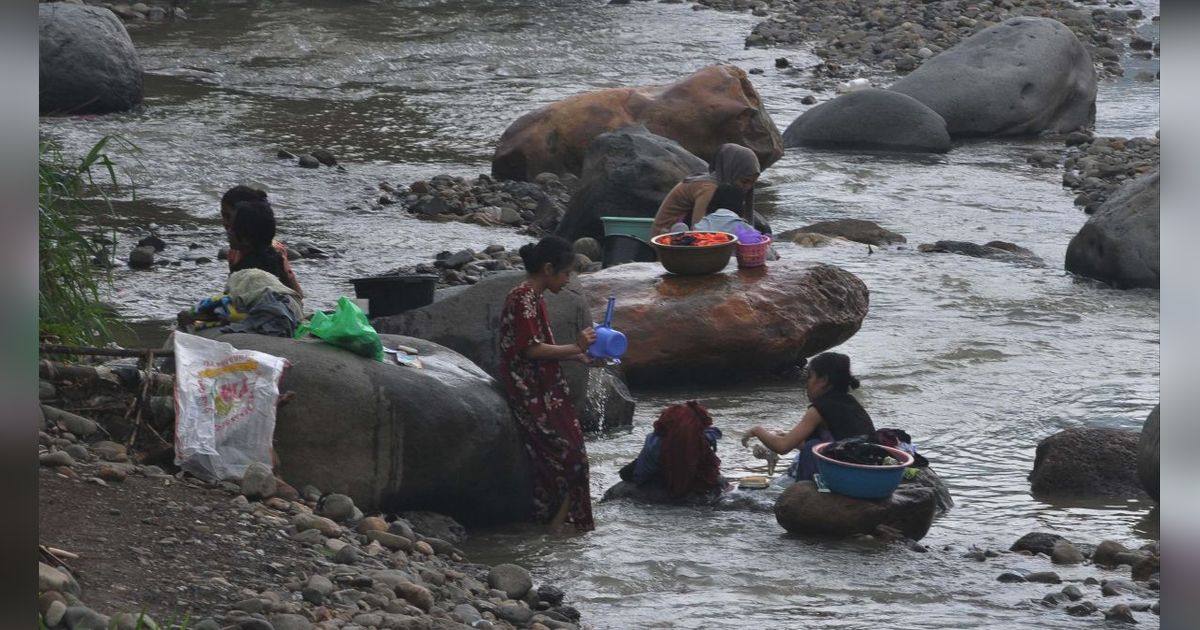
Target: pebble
[(513, 613), (1120, 613), (54, 614), (78, 452), (550, 594), (111, 451), (416, 595), (372, 524), (316, 589), (1066, 553), (56, 459), (391, 541), (1044, 577), (1082, 609), (108, 473), (258, 482), (290, 622), (132, 621), (1008, 577), (401, 527), (338, 507), (308, 161), (808, 100), (1074, 593), (423, 547), (312, 521), (346, 555), (84, 618), (514, 580)]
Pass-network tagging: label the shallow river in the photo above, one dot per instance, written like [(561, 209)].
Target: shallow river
[(977, 359)]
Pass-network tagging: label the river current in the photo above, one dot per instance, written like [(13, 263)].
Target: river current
[(977, 359)]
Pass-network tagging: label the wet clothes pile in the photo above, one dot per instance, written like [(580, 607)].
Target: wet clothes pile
[(255, 301), (680, 453)]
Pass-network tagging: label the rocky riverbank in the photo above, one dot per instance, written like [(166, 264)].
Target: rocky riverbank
[(137, 13), (536, 206), (124, 538), (872, 38)]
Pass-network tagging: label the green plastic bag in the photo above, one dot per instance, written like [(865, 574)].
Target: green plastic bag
[(347, 328)]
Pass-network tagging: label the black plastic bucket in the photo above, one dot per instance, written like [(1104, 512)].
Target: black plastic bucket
[(389, 295), (622, 248)]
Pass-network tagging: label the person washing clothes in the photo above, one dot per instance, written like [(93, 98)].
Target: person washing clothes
[(680, 454), (832, 414), (688, 201), (245, 194)]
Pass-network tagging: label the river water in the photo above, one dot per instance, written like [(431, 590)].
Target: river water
[(977, 359)]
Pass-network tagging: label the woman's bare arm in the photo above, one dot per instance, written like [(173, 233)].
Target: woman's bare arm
[(787, 442)]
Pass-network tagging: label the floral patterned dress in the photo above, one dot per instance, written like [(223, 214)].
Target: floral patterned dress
[(541, 405)]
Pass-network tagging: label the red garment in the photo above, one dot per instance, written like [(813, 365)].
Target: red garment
[(689, 464), (541, 405)]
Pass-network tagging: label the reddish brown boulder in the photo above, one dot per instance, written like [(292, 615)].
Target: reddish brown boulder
[(715, 105), (729, 324)]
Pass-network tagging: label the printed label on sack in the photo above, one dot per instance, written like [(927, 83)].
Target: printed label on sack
[(227, 390)]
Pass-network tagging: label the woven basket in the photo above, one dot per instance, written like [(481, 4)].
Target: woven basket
[(753, 255)]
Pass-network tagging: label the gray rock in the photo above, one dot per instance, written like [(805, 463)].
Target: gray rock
[(801, 509), (56, 459), (466, 322), (1119, 244), (1120, 613), (346, 555), (308, 161), (309, 537), (141, 257), (1147, 458), (84, 618), (550, 594), (1044, 577), (467, 614), (626, 173), (858, 230), (52, 579), (442, 434), (1037, 542), (78, 425), (258, 482), (391, 541), (589, 247), (1082, 609), (207, 624), (512, 613), (1023, 76), (509, 216), (1073, 593), (133, 621), (1087, 462), (254, 623), (54, 613), (324, 157), (338, 507), (514, 580), (316, 589), (870, 119), (401, 527), (290, 622), (995, 250), (86, 63), (1008, 577), (1121, 586), (1065, 553)]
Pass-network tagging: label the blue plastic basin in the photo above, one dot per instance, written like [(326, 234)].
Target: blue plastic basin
[(859, 480)]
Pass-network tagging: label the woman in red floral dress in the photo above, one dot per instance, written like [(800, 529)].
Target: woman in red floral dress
[(537, 393)]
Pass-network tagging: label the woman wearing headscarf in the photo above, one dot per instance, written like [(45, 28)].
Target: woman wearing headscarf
[(688, 200)]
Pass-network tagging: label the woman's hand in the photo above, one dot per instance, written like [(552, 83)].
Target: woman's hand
[(749, 434), (585, 338)]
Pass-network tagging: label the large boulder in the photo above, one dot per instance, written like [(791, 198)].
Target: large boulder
[(857, 230), (1147, 458), (395, 438), (86, 61), (626, 173), (1119, 242), (1085, 463), (468, 322), (870, 119), (1024, 76), (805, 511), (729, 324), (715, 105)]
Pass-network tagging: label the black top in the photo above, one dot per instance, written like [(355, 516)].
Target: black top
[(843, 415)]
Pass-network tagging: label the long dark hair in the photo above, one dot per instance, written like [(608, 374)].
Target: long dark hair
[(553, 250), (836, 367), (254, 229)]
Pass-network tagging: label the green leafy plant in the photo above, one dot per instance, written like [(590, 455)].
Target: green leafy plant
[(69, 306)]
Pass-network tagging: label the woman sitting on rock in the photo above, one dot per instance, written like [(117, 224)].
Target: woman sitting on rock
[(688, 201), (537, 392), (245, 194), (832, 414), (680, 454)]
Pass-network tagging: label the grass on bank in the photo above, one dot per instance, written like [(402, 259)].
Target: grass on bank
[(72, 266)]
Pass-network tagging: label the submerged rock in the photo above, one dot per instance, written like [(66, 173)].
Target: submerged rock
[(857, 230), (87, 63), (803, 510), (730, 324), (870, 119), (1147, 461), (1024, 76), (1080, 463), (1119, 244), (994, 250)]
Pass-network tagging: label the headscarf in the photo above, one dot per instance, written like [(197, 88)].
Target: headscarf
[(731, 163)]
